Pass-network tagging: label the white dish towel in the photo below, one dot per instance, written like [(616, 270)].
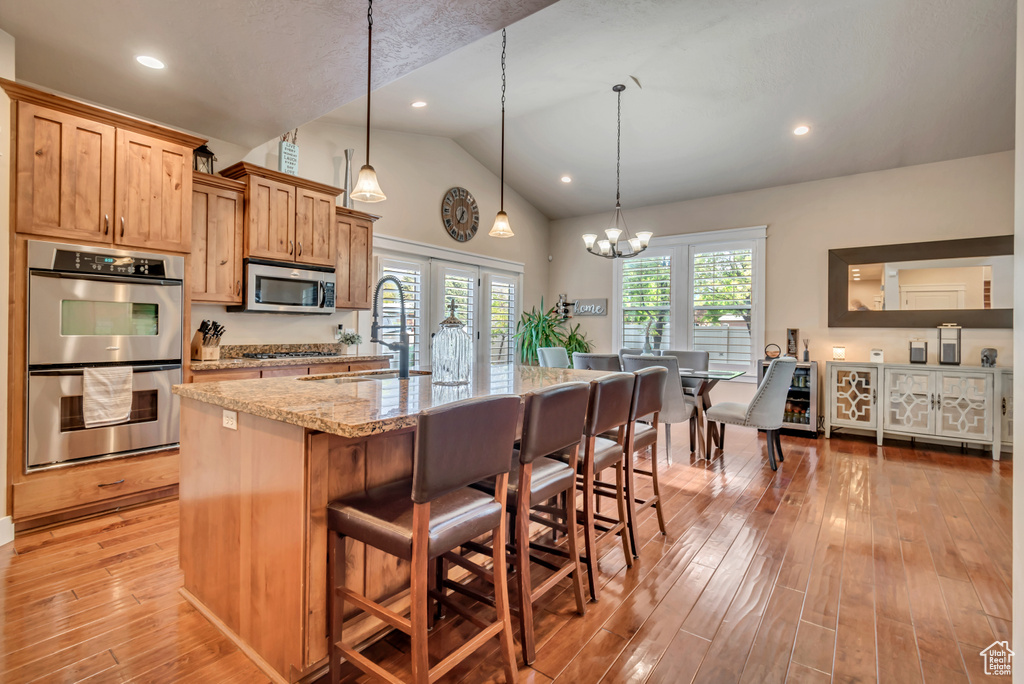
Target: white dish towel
[(106, 395)]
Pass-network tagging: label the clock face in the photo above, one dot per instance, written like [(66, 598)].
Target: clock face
[(460, 214)]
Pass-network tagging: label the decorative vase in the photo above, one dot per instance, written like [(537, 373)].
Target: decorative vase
[(452, 354)]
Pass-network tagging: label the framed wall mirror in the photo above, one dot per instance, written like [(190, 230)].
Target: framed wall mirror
[(923, 284)]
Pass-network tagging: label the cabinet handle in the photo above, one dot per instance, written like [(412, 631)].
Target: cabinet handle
[(291, 246), (238, 287), (300, 249), (874, 396), (1004, 406), (111, 484), (122, 226), (106, 224), (223, 261)]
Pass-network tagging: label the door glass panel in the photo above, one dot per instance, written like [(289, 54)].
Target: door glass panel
[(144, 410), (853, 392), (286, 292), (964, 406), (85, 317), (909, 403)]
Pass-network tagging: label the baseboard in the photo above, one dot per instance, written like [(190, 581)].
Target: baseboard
[(6, 530)]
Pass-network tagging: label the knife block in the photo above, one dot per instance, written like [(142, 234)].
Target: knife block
[(201, 352)]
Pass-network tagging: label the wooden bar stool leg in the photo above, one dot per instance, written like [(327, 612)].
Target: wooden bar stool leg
[(508, 655), (620, 498), (441, 574), (418, 595), (630, 490), (656, 486), (522, 544), (574, 553), (589, 530), (335, 603)]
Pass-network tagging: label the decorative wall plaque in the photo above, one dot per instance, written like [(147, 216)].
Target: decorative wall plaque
[(590, 307)]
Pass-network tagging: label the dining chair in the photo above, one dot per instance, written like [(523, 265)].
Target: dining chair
[(636, 351), (765, 411), (552, 357), (423, 518), (694, 360), (675, 408), (601, 362)]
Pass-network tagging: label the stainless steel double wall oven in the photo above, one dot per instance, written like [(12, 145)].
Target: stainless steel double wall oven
[(93, 306)]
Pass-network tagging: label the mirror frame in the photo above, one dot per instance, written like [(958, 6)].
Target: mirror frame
[(840, 260)]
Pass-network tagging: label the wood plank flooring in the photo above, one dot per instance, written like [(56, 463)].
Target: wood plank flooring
[(853, 563)]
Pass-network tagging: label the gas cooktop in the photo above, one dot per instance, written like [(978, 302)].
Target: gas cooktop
[(288, 355)]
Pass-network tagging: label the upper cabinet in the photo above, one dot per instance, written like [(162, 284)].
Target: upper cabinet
[(287, 218), (218, 211), (354, 270), (87, 174)]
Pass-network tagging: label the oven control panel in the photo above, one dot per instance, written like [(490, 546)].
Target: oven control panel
[(88, 262)]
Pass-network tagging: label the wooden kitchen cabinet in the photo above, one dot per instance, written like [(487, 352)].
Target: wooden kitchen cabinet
[(64, 174), (315, 234), (283, 212), (153, 193), (218, 223), (354, 269), (88, 174)]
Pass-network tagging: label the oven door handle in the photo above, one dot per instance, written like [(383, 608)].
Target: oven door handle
[(81, 371), (107, 279)]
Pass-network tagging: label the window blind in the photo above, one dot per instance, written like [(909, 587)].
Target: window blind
[(646, 301), (722, 303)]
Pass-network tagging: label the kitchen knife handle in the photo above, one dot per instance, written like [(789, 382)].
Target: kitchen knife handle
[(106, 224), (122, 226)]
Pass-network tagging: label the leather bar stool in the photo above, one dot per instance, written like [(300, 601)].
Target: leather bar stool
[(640, 434), (553, 422), (419, 519), (610, 399)]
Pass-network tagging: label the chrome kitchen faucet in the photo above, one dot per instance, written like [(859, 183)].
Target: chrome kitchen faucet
[(402, 346)]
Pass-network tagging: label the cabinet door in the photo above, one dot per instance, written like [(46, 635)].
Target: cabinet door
[(354, 267), (909, 400), (153, 193), (65, 175), (965, 405), (1007, 409), (315, 233), (854, 395), (271, 220), (217, 226)]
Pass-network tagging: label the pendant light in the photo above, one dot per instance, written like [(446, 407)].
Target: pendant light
[(367, 188), (609, 248), (501, 228)]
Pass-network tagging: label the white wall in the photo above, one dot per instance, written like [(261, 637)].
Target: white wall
[(415, 171), (1018, 344), (6, 71), (962, 198)]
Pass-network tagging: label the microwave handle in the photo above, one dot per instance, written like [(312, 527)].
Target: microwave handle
[(321, 292)]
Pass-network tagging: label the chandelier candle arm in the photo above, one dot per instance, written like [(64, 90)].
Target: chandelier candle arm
[(501, 227), (609, 248), (367, 187)]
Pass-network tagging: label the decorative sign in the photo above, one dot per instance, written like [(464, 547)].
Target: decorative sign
[(591, 307), (288, 158)]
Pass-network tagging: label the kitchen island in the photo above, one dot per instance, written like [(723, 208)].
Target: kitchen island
[(253, 497)]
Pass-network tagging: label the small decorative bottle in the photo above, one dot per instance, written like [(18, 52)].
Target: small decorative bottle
[(452, 353)]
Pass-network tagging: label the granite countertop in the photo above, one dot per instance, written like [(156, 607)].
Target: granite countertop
[(238, 362), (358, 404)]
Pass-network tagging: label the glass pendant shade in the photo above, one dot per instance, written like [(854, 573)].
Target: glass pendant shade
[(604, 246), (613, 235), (501, 228), (589, 239), (645, 237), (367, 188), (452, 353), (634, 244)]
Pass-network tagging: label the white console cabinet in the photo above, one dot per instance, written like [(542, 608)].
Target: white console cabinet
[(966, 404)]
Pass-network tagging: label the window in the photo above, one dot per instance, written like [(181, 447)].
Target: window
[(410, 273), (697, 291), (723, 288), (502, 314), (647, 301)]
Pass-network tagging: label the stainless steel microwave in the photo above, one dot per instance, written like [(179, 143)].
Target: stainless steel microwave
[(274, 287)]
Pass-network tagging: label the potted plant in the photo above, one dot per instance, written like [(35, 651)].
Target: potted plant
[(349, 338), (546, 328)]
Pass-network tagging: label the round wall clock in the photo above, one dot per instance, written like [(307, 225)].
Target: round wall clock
[(460, 214)]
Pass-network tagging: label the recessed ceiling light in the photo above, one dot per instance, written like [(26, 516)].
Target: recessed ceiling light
[(419, 103), (801, 130), (856, 270), (151, 62), (566, 179), (856, 277)]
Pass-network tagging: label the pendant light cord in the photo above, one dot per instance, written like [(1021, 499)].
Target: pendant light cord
[(369, 55), (502, 119), (618, 149)]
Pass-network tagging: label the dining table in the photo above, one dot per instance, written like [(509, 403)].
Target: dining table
[(701, 393)]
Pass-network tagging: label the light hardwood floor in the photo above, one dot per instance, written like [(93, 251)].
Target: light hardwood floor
[(852, 564)]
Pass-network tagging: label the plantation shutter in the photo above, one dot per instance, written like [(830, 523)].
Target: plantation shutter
[(647, 301), (723, 282), (410, 273), (502, 319)]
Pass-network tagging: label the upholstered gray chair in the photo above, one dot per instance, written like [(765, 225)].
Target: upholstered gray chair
[(694, 360), (553, 357), (674, 406), (765, 411), (636, 351), (601, 362)]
